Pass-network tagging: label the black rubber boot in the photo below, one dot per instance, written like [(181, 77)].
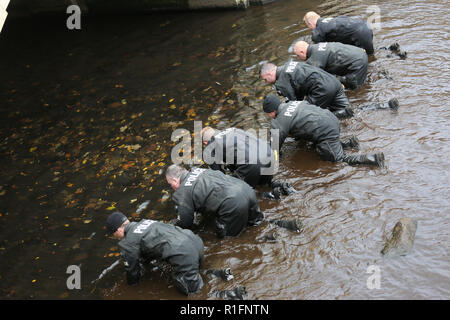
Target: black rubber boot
[(293, 225), (224, 274), (275, 194), (350, 143), (394, 47), (285, 187), (370, 159), (391, 104), (344, 113), (237, 293)]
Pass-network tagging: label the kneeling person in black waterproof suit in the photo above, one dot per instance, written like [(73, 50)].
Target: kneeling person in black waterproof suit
[(305, 121), (347, 62), (232, 201), (246, 156), (298, 80), (148, 240), (348, 30)]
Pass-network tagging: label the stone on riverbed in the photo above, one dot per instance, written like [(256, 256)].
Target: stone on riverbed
[(402, 238)]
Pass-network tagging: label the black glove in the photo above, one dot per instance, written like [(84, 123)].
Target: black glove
[(275, 194), (349, 111), (293, 225), (237, 293), (224, 274), (287, 188)]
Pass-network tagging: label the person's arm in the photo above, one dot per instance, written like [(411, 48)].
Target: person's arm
[(317, 36), (286, 91), (282, 134), (185, 217), (131, 258)]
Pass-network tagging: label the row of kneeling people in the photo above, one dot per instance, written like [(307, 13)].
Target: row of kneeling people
[(315, 100)]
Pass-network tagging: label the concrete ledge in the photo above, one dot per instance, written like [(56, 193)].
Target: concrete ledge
[(127, 6), (218, 4)]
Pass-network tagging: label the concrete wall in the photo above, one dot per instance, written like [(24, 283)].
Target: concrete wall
[(53, 6)]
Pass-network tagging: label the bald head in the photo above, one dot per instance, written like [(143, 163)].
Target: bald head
[(311, 19), (173, 175), (207, 134), (269, 72), (300, 49)]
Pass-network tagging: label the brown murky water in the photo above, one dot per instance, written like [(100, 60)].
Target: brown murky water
[(86, 119)]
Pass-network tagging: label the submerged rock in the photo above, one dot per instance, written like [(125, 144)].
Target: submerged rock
[(402, 238)]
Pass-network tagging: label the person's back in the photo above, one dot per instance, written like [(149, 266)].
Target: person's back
[(156, 240), (347, 30), (243, 153), (149, 239), (299, 80), (340, 59), (246, 147), (335, 57), (211, 192), (304, 121)]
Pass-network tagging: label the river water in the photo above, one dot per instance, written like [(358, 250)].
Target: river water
[(86, 121)]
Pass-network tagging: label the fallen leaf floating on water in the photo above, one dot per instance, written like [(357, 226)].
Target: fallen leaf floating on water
[(143, 206), (115, 104), (127, 165)]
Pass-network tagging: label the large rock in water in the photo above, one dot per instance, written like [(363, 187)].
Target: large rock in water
[(402, 238)]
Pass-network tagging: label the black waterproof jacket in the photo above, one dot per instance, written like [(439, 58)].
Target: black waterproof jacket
[(336, 58), (300, 80), (242, 152), (212, 193), (147, 240), (302, 120), (348, 30)]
